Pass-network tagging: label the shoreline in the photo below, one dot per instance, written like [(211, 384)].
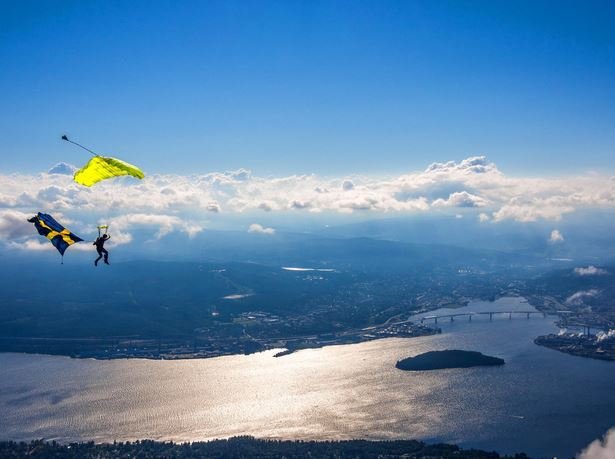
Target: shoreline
[(579, 346), (189, 349), (199, 347)]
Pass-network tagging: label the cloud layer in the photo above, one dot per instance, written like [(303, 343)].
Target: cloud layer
[(260, 229), (473, 185), (590, 271)]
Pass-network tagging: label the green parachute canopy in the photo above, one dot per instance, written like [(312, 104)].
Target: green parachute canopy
[(103, 167)]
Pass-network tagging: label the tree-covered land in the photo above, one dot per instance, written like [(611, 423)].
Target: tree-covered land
[(246, 447)]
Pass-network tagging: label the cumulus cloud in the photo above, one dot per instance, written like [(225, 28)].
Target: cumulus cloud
[(460, 199), (590, 271), (240, 175), (473, 183), (580, 296), (43, 245), (601, 448), (162, 225), (33, 244), (266, 206), (483, 217), (299, 204), (213, 207), (473, 165), (260, 229), (62, 169), (556, 237), (526, 209), (14, 224)]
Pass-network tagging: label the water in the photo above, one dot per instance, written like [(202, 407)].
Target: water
[(542, 401)]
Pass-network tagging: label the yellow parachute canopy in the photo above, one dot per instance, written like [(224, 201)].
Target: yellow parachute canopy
[(104, 167)]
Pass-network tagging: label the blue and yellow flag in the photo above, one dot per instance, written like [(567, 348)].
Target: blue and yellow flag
[(59, 236)]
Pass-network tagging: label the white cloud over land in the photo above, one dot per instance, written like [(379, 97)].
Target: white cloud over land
[(601, 448), (580, 296), (556, 237), (260, 229), (163, 224), (590, 271)]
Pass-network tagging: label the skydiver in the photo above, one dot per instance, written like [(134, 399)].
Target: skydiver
[(102, 252)]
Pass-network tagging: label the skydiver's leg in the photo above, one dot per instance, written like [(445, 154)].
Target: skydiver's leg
[(100, 255), (106, 255)]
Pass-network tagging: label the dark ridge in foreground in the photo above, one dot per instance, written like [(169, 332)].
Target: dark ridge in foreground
[(438, 360), (246, 447)]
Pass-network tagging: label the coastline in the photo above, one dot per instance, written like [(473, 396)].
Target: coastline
[(579, 346), (191, 348)]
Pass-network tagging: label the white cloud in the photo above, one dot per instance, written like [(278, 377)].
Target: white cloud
[(556, 237), (14, 224), (473, 183), (530, 211), (590, 271), (483, 217), (601, 448), (42, 244), (241, 175), (63, 169), (460, 199), (580, 296), (162, 224), (266, 206), (32, 244), (299, 205), (213, 207), (473, 165), (256, 228), (17, 233)]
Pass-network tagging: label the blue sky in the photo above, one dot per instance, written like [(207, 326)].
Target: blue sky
[(309, 87)]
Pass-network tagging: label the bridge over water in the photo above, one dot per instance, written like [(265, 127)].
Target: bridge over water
[(469, 315)]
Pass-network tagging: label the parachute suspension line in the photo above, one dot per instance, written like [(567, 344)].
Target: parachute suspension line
[(105, 227), (79, 145)]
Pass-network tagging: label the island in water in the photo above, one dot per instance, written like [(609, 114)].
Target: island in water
[(437, 360)]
